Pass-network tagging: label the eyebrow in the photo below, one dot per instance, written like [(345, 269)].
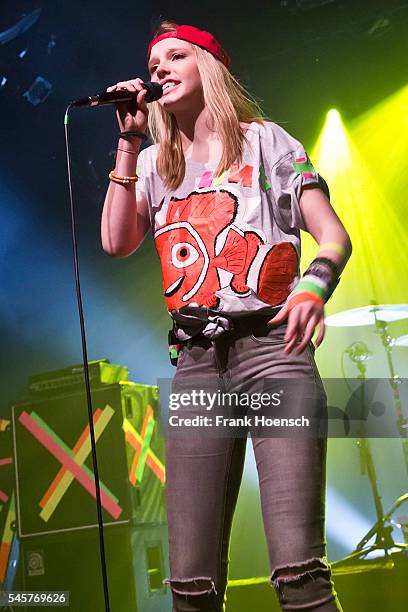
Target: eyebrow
[(168, 51)]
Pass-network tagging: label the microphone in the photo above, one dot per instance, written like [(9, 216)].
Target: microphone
[(154, 92)]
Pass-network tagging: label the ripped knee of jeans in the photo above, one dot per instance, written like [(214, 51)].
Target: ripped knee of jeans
[(294, 576), (200, 585), (293, 572)]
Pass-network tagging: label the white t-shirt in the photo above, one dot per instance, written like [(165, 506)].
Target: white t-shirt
[(229, 245)]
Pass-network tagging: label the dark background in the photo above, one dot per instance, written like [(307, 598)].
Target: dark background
[(300, 58)]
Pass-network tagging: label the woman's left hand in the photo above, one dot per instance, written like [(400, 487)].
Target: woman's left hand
[(303, 318)]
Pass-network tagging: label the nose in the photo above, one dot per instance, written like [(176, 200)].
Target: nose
[(162, 70)]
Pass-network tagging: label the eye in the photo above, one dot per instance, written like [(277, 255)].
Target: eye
[(183, 254), (175, 55)]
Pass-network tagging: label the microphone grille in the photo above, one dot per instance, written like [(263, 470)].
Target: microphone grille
[(154, 91)]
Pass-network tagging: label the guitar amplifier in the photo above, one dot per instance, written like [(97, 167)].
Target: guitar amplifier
[(7, 506), (55, 488), (55, 495), (136, 564), (72, 378)]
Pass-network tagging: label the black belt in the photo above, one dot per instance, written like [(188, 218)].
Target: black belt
[(244, 325), (251, 324)]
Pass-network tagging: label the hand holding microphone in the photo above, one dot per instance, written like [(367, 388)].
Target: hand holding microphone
[(130, 98), (133, 114)]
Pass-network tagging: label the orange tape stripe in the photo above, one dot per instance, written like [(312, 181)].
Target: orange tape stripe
[(4, 555), (151, 459)]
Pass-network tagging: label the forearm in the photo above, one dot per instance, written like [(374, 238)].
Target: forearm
[(335, 244), (322, 276), (122, 227), (325, 226)]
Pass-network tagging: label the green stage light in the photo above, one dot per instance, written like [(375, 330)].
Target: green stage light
[(333, 114), (355, 164), (382, 134), (364, 165)]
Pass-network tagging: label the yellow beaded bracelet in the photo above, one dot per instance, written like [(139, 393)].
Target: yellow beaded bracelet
[(332, 246), (122, 180)]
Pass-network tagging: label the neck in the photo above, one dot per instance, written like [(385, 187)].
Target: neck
[(193, 126)]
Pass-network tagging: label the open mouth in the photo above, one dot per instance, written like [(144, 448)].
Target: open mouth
[(167, 89), (174, 287)]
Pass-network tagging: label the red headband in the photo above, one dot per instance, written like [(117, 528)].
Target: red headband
[(197, 37)]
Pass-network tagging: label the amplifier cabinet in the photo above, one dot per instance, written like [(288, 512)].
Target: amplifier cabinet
[(136, 560), (54, 475)]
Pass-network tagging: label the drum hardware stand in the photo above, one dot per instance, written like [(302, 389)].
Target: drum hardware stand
[(384, 540), (395, 381), (378, 315)]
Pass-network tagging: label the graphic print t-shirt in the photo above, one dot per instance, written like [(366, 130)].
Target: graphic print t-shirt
[(229, 245)]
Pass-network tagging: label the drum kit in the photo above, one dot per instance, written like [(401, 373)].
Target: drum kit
[(379, 316)]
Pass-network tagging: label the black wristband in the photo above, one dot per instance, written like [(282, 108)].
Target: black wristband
[(320, 271), (328, 262), (332, 287), (325, 269), (133, 133)]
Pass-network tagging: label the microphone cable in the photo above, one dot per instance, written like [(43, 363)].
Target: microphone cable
[(86, 367)]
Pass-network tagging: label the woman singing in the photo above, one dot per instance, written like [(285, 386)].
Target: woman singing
[(225, 193)]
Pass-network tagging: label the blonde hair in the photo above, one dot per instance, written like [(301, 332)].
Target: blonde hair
[(228, 103)]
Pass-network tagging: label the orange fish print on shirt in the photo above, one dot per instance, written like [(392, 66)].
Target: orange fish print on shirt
[(186, 245)]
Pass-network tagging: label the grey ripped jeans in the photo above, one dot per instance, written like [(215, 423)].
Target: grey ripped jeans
[(204, 474)]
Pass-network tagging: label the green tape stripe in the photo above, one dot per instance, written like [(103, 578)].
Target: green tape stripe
[(263, 179), (145, 448), (305, 166), (305, 285), (173, 350)]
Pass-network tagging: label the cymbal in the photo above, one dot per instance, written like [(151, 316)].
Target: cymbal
[(401, 341), (365, 315)]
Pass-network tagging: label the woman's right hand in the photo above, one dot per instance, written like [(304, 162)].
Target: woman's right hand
[(131, 116)]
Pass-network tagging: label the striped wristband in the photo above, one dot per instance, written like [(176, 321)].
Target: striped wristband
[(303, 296), (319, 280)]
